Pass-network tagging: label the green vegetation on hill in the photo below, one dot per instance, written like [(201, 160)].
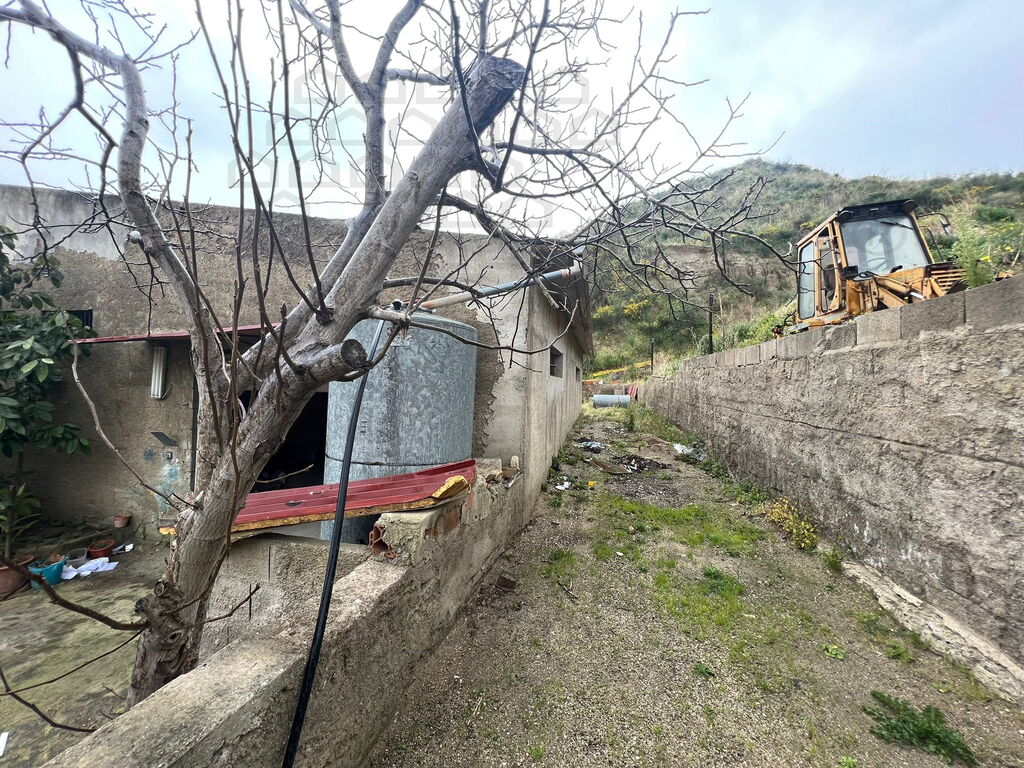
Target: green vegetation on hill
[(976, 220)]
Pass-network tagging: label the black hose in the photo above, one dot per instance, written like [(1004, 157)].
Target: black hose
[(309, 675)]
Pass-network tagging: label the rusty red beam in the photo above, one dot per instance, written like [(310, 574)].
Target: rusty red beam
[(166, 335)]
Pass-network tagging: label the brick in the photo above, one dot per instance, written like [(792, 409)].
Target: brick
[(878, 327), (998, 304), (943, 314)]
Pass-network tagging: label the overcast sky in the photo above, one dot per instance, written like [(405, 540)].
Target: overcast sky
[(908, 89)]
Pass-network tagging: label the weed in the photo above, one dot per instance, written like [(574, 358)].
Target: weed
[(899, 652), (918, 642), (556, 501), (745, 493), (898, 721), (560, 565), (602, 550), (834, 652), (536, 752), (535, 642), (715, 582), (971, 688), (799, 529), (716, 469), (833, 559), (702, 670), (640, 418), (873, 624), (846, 762)]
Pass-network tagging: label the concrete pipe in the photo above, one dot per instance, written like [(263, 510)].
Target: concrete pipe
[(610, 401)]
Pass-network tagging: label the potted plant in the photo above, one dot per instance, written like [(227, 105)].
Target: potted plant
[(101, 548), (11, 580)]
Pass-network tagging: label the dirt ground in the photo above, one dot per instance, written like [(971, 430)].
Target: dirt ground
[(659, 620), (40, 641)]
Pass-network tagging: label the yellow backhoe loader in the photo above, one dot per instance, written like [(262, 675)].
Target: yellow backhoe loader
[(864, 258)]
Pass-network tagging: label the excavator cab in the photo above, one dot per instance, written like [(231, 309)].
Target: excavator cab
[(864, 258)]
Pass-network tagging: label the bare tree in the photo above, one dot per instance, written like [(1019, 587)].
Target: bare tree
[(525, 147)]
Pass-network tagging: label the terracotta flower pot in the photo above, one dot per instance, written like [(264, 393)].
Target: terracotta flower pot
[(11, 580), (101, 548), (121, 521)]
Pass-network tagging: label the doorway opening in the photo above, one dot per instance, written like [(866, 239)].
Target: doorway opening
[(299, 462)]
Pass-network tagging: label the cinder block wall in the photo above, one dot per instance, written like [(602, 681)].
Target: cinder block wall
[(901, 433)]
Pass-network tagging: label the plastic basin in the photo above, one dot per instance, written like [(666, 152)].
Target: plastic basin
[(51, 573)]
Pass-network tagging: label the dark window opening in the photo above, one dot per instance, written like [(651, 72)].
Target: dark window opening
[(85, 315), (555, 368), (579, 374), (299, 462)]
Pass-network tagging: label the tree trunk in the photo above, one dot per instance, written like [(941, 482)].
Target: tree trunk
[(176, 610)]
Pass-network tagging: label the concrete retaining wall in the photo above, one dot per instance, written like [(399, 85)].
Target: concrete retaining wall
[(902, 434), (235, 709)]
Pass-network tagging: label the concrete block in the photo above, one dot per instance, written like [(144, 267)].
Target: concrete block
[(751, 355), (838, 337), (769, 351), (936, 315), (727, 359), (994, 305), (798, 345), (878, 327)]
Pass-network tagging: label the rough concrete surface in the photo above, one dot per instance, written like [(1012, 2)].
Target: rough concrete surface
[(40, 641), (235, 708), (906, 449), (585, 663)]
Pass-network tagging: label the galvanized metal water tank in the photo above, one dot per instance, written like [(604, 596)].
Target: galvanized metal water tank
[(417, 411)]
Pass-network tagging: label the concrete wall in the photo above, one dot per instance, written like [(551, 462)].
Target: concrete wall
[(901, 433), (518, 409), (235, 709)]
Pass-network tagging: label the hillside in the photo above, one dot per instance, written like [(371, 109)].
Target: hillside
[(979, 223)]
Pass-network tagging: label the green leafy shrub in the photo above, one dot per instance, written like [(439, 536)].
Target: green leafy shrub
[(898, 721), (36, 340)]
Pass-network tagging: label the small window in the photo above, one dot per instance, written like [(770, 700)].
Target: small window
[(85, 315), (555, 368), (579, 374)]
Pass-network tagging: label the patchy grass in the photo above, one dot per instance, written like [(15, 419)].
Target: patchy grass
[(628, 522), (899, 652), (560, 565), (874, 624), (640, 418), (745, 493), (712, 602), (899, 721)]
